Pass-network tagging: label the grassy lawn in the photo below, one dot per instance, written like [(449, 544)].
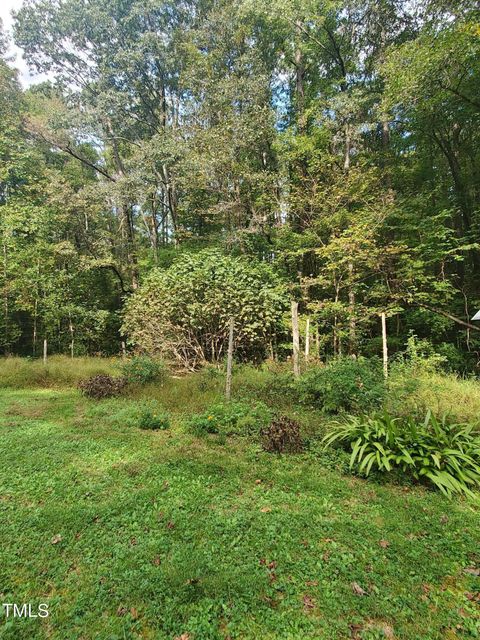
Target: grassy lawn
[(161, 535)]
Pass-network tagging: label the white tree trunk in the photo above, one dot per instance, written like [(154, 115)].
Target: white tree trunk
[(228, 387), (296, 339), (384, 344)]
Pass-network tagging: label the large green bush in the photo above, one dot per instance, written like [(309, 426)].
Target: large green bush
[(182, 313), (344, 384), (442, 453)]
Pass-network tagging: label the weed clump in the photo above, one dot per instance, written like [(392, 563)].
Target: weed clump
[(150, 421), (282, 436), (230, 418), (142, 369), (102, 386)]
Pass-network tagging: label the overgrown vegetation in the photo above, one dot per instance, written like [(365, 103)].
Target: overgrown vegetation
[(60, 371), (344, 385), (142, 369), (295, 184), (239, 418), (324, 153)]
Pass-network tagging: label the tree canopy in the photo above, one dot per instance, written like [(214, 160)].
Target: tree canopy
[(334, 143)]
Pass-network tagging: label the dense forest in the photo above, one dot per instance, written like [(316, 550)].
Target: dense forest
[(188, 161)]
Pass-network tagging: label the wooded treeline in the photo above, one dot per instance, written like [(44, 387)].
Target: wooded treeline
[(337, 141)]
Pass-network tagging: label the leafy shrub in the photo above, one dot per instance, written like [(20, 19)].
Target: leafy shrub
[(344, 385), (445, 454), (191, 302), (201, 424), (153, 421), (101, 386), (142, 369), (230, 418), (282, 436)]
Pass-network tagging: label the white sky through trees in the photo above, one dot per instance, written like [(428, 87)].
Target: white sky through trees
[(25, 77)]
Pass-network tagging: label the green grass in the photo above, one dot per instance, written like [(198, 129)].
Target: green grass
[(160, 534), (443, 393), (60, 371)]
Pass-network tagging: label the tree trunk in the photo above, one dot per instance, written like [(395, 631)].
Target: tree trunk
[(307, 340), (299, 80), (228, 386), (34, 337), (384, 344), (351, 310), (296, 340), (72, 339)]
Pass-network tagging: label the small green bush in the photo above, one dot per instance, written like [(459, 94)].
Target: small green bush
[(445, 454), (344, 384), (101, 386), (142, 369), (154, 421), (230, 418), (201, 424)]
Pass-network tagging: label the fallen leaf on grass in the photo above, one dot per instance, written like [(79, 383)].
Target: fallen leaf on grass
[(384, 544), (56, 539), (358, 590), (156, 561), (473, 597), (265, 509), (184, 636), (170, 525), (121, 611), (311, 583), (473, 571), (133, 613), (270, 601), (308, 603)]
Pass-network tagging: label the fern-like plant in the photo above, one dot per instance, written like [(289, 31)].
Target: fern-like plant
[(445, 454)]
